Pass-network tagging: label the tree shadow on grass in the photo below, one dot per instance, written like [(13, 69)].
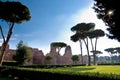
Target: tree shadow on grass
[(82, 69)]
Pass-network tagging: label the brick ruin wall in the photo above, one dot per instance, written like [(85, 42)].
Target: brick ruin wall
[(40, 58)]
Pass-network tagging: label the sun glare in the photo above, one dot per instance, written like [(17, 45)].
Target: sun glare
[(110, 12)]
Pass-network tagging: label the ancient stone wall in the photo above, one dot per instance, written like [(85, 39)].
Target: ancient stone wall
[(66, 58), (40, 58), (9, 53), (56, 58)]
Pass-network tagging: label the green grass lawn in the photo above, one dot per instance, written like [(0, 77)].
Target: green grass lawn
[(101, 69), (106, 69), (112, 71)]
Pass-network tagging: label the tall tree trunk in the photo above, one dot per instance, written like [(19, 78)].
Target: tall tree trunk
[(5, 43), (86, 44), (111, 57), (93, 51), (81, 51), (92, 44), (95, 63)]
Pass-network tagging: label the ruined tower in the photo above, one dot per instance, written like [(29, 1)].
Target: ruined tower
[(66, 59)]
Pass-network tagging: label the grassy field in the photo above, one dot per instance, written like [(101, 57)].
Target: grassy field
[(105, 72), (101, 69)]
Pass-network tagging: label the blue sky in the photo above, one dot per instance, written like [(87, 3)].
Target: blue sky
[(47, 20), (51, 21)]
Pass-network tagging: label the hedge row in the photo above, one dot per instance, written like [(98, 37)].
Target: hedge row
[(47, 74), (49, 66), (13, 63), (10, 63), (109, 64)]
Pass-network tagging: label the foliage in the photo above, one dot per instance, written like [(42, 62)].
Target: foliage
[(11, 12), (59, 45), (81, 34), (23, 53), (10, 63), (117, 50), (83, 27), (78, 36), (97, 52), (111, 50), (75, 58), (83, 31), (14, 12), (48, 58), (109, 12), (96, 33)]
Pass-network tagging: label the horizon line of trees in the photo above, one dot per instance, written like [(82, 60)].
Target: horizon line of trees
[(113, 51)]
